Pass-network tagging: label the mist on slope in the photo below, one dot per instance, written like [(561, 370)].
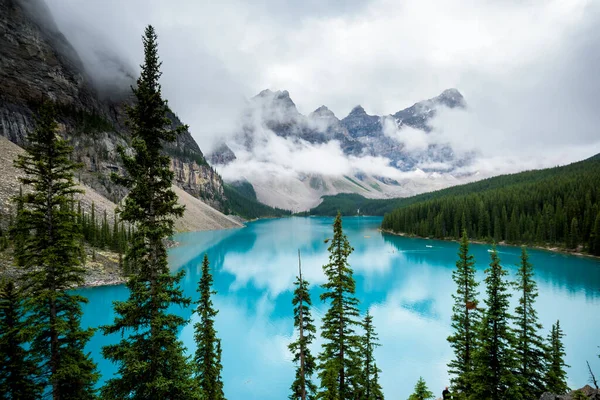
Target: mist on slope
[(528, 71)]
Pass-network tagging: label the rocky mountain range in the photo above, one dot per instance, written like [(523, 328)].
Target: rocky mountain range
[(360, 136), (37, 63)]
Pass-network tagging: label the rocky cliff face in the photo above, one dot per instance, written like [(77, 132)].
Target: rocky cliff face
[(37, 63)]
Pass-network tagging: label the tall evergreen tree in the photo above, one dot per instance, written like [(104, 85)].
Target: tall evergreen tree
[(18, 236), (530, 347), (421, 391), (594, 244), (303, 388), (150, 359), (17, 366), (369, 341), (556, 376), (206, 360), (219, 367), (338, 358), (51, 257), (464, 319), (494, 360)]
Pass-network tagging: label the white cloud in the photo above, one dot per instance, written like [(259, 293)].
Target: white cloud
[(413, 139), (528, 70)]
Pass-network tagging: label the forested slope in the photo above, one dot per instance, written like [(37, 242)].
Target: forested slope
[(242, 201), (556, 206)]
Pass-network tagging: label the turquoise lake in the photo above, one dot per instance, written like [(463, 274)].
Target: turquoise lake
[(406, 283)]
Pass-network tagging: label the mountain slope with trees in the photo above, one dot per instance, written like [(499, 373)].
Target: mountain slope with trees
[(557, 207)]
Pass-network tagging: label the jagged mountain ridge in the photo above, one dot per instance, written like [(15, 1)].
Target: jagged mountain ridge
[(358, 134), (37, 62)]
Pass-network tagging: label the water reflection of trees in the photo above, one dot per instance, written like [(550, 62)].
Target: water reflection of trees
[(568, 273)]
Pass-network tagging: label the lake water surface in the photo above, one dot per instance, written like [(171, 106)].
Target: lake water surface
[(406, 283)]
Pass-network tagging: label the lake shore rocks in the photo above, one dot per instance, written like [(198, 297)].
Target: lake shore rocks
[(587, 390)]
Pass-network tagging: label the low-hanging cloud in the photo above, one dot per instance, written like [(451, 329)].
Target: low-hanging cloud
[(528, 70)]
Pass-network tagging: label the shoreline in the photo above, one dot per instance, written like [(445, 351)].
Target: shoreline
[(557, 250), (115, 278)]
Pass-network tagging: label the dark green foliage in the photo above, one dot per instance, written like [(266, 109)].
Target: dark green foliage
[(99, 234), (594, 245), (245, 189), (494, 362), (17, 367), (370, 379), (350, 203), (303, 388), (18, 236), (207, 365), (579, 395), (51, 256), (186, 155), (465, 317), (555, 206), (421, 391), (241, 202), (556, 376), (339, 360), (530, 347), (150, 358)]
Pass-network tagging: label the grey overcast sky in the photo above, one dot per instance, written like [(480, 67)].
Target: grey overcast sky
[(529, 69)]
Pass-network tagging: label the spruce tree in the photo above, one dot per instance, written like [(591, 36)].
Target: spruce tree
[(530, 347), (556, 376), (594, 244), (206, 360), (574, 234), (18, 235), (303, 388), (375, 386), (464, 319), (338, 358), (219, 367), (150, 358), (494, 360), (369, 341), (421, 391), (17, 366), (51, 259)]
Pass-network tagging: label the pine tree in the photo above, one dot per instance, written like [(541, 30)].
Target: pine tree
[(530, 347), (372, 389), (464, 318), (206, 363), (220, 368), (339, 354), (303, 388), (150, 359), (494, 360), (421, 391), (574, 234), (51, 258), (375, 386), (556, 376), (18, 235), (17, 366), (93, 227), (594, 245)]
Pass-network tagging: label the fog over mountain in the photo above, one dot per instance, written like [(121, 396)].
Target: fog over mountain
[(527, 71)]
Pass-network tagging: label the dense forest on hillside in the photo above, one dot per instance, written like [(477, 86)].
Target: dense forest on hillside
[(353, 204), (556, 206), (242, 201)]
